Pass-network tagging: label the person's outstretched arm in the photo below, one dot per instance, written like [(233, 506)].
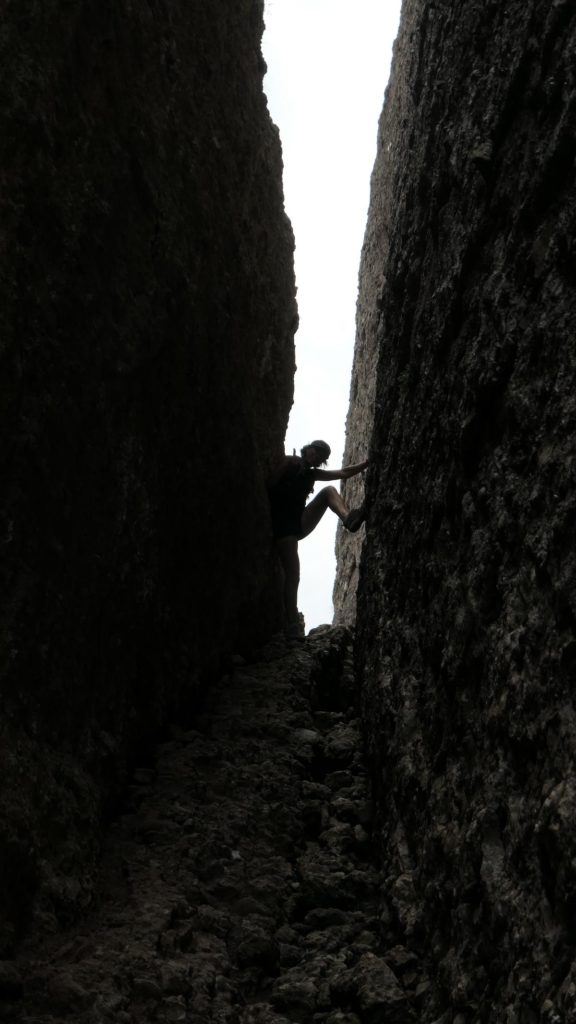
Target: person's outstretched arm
[(340, 474)]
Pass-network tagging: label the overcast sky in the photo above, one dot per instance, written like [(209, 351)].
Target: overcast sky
[(328, 65)]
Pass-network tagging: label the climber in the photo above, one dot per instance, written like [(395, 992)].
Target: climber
[(293, 519)]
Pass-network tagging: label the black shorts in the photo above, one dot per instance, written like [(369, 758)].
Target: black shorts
[(286, 523)]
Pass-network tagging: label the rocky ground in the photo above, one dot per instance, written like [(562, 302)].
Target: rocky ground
[(239, 884)]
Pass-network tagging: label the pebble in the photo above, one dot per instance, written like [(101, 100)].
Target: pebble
[(342, 743), (174, 979), (378, 991), (339, 779), (173, 1009), (251, 946), (145, 988), (67, 995), (294, 994), (325, 917)]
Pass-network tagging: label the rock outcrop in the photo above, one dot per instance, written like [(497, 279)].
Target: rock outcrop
[(466, 612), (147, 370)]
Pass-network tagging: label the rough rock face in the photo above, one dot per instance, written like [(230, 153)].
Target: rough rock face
[(369, 336), (467, 598), (147, 328)]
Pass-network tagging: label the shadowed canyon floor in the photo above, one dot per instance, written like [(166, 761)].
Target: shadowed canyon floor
[(239, 885)]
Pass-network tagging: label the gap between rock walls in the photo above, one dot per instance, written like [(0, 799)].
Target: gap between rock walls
[(241, 884)]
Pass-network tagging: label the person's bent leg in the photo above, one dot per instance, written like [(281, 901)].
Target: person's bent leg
[(328, 497), (288, 552), (355, 518)]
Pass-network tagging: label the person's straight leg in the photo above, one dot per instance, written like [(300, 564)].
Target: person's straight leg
[(288, 552)]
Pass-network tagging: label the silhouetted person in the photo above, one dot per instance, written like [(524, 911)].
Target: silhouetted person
[(293, 519)]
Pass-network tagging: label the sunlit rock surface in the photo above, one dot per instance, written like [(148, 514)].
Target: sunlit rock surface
[(467, 598), (147, 325)]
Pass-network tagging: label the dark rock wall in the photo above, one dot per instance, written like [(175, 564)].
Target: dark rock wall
[(467, 599), (147, 323)]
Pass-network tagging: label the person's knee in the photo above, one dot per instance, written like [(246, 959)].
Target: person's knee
[(329, 492)]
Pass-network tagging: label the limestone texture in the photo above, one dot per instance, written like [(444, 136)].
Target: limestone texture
[(146, 324), (238, 884), (466, 613)]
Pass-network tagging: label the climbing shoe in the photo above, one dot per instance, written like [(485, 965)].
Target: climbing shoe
[(354, 519)]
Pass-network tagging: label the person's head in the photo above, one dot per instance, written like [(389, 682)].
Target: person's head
[(316, 453)]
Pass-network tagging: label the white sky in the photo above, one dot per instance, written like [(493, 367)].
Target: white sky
[(328, 65)]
